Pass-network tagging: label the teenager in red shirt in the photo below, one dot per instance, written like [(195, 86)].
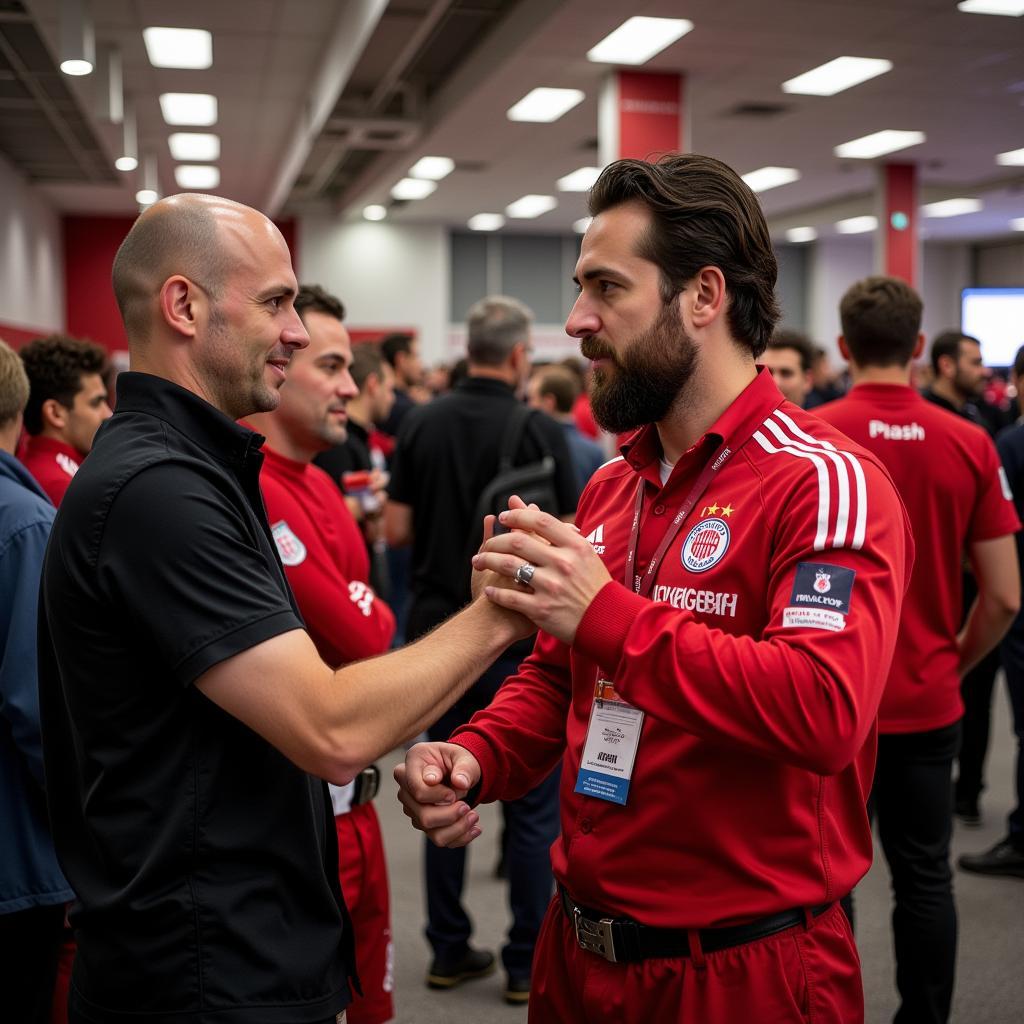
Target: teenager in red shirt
[(947, 472), (714, 643), (67, 405), (328, 568)]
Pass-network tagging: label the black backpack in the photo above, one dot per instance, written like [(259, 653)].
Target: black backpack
[(533, 482)]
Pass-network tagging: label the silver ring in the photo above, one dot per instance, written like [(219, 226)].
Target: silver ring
[(524, 574)]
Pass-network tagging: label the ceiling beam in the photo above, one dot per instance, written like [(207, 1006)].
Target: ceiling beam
[(356, 22)]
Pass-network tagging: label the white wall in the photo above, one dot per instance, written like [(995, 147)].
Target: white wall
[(31, 257), (835, 263), (387, 275)]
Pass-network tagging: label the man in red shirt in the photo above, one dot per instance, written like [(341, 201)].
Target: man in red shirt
[(949, 476), (328, 569), (714, 643), (67, 404)]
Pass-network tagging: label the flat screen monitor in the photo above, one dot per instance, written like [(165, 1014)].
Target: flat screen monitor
[(995, 316)]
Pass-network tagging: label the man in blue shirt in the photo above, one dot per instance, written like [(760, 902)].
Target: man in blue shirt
[(32, 889)]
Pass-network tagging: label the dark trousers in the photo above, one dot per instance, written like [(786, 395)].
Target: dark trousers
[(912, 798), (30, 940), (1012, 653), (976, 689), (531, 825)]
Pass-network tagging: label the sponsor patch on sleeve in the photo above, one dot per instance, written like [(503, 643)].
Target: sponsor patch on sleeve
[(821, 597), (1005, 484)]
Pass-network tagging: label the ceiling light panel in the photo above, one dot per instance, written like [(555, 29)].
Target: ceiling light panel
[(126, 163), (1013, 158), (579, 180), (1008, 8), (798, 235), (486, 222), (580, 226), (856, 225), (433, 168), (179, 47), (837, 75), (637, 40), (952, 207), (414, 188), (189, 108), (200, 176), (146, 196), (528, 207), (544, 105), (1017, 224), (194, 146), (765, 178), (375, 212), (878, 144)]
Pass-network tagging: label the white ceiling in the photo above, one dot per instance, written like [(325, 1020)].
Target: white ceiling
[(957, 77)]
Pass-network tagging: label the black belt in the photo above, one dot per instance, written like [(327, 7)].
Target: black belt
[(366, 784), (620, 940)]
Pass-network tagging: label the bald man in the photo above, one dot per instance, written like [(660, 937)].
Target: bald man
[(188, 720)]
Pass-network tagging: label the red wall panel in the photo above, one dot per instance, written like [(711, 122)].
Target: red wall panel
[(18, 336)]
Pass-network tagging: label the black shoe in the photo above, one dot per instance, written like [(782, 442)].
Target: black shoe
[(517, 991), (474, 963), (968, 813), (1003, 859)]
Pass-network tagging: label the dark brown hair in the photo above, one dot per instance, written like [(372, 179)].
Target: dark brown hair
[(314, 299), (798, 342), (561, 383), (881, 318), (55, 367), (702, 214), (948, 344)]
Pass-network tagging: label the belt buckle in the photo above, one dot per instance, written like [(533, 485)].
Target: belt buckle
[(594, 936)]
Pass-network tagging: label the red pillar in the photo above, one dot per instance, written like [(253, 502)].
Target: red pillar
[(642, 115), (897, 240)]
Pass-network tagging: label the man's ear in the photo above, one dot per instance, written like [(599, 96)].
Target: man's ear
[(181, 303), (707, 296), (844, 349), (54, 415), (918, 347)]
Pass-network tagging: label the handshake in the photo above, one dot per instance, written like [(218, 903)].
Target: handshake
[(542, 574)]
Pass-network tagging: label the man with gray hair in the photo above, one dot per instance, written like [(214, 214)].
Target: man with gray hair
[(447, 453)]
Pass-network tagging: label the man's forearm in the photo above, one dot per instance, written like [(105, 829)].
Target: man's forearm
[(987, 623), (390, 699)]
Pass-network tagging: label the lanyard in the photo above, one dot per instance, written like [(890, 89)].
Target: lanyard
[(643, 585)]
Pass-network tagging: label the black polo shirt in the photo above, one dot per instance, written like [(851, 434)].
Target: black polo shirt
[(447, 453), (352, 455), (204, 861)]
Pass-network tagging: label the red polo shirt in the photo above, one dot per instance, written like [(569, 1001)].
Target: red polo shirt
[(325, 559), (759, 659), (948, 474), (53, 464)]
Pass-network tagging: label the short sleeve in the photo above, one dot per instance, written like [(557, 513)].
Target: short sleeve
[(994, 514), (184, 569)]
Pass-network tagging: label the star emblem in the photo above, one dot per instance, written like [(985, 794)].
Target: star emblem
[(711, 510), (727, 510)]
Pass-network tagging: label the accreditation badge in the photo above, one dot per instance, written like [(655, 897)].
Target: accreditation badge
[(610, 748)]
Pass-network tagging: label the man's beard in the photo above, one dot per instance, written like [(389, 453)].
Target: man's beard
[(647, 379)]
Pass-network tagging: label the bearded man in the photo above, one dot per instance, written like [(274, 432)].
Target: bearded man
[(715, 641)]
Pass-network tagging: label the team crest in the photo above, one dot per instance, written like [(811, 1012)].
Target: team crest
[(705, 545), (822, 582), (289, 547)]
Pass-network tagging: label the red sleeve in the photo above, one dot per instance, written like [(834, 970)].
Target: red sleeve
[(807, 690), (342, 613), (995, 514), (520, 736)]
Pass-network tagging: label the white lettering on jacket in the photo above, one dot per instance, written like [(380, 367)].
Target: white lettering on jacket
[(896, 431), (707, 602)]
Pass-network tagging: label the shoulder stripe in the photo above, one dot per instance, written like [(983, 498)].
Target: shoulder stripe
[(785, 433), (824, 498), (860, 527), (618, 458), (842, 478)]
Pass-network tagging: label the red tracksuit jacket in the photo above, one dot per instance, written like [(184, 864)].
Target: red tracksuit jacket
[(760, 664), (325, 559)]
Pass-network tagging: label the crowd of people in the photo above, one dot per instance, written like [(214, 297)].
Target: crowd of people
[(697, 616)]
